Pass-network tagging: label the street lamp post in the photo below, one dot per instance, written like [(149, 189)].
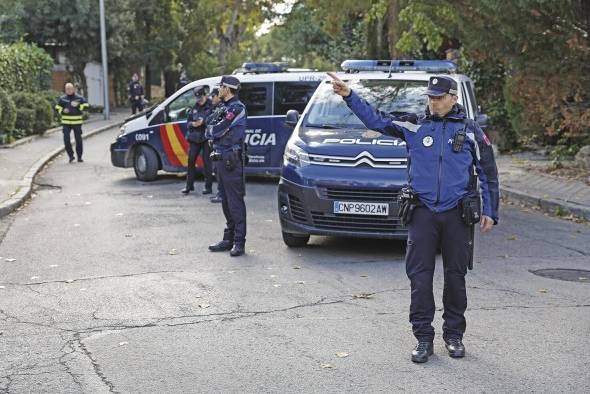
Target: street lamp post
[(105, 72)]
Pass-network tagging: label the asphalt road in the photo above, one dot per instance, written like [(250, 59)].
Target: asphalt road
[(106, 285)]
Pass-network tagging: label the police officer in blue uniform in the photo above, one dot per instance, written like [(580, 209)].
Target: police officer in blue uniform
[(135, 93), (217, 102), (198, 144), (445, 151), (227, 130), (71, 107)]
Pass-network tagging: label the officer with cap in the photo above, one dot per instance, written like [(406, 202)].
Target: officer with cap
[(217, 103), (196, 128), (227, 130), (445, 151)]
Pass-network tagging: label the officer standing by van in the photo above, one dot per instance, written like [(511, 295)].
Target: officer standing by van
[(135, 93), (441, 204), (227, 130), (216, 103), (71, 107), (196, 127)]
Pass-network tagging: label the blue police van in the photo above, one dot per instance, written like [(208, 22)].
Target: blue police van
[(338, 177), (155, 140)]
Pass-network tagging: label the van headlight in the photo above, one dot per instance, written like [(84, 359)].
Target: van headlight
[(122, 130), (295, 156)]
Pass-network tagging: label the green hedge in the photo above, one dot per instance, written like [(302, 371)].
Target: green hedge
[(24, 67), (41, 109), (7, 117)]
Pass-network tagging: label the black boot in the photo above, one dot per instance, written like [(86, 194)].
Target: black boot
[(237, 250), (187, 190), (222, 246), (216, 199), (207, 191), (455, 347), (422, 351)]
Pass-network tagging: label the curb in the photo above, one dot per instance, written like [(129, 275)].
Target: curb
[(25, 186), (545, 204)]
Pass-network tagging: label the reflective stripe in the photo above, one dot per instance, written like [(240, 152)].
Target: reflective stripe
[(83, 106), (71, 117), (59, 108), (73, 122)]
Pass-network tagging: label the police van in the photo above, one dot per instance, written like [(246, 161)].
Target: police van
[(338, 177), (155, 140)]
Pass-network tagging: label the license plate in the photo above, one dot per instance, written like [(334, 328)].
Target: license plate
[(361, 208)]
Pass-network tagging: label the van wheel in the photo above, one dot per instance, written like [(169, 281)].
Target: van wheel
[(145, 164), (295, 240)]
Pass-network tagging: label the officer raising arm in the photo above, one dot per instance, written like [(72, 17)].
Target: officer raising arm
[(442, 204), (227, 130)]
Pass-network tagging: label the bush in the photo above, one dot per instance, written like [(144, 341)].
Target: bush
[(42, 113), (25, 122), (24, 67), (7, 117)]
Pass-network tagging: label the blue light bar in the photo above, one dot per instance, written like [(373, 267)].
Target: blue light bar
[(396, 66), (259, 68)]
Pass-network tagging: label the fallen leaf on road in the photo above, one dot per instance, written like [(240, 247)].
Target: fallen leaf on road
[(123, 343), (327, 366), (230, 272), (83, 289), (198, 296), (363, 295), (76, 224), (300, 282), (150, 196), (128, 235), (2, 287), (342, 354), (512, 238), (297, 267), (364, 276), (34, 277), (173, 252), (119, 214), (10, 260), (69, 281), (582, 278), (87, 203), (53, 266), (204, 306), (543, 290), (276, 285), (273, 276)]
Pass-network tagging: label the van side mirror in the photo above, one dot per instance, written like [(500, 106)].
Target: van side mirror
[(292, 117), (482, 120)]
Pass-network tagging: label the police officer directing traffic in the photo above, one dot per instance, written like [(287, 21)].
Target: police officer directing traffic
[(441, 204), (135, 93), (71, 107), (196, 124), (226, 128)]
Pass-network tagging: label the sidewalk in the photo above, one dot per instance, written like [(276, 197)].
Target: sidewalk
[(552, 194), (19, 164)]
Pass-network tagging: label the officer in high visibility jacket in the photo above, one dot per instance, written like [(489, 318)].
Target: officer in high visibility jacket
[(70, 106)]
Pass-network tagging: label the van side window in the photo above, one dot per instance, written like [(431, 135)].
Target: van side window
[(177, 110), (257, 97), (293, 95)]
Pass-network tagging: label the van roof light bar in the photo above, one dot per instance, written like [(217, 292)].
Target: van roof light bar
[(389, 66)]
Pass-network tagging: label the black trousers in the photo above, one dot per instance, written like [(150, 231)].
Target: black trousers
[(426, 232), (136, 105), (232, 190), (77, 136), (204, 150)]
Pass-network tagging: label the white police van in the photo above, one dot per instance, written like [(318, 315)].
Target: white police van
[(155, 140), (339, 178)]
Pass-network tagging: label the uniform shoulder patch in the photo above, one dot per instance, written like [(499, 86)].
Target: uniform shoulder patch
[(230, 115)]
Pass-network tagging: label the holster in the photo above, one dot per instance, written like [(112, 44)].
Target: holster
[(408, 201), (231, 159), (470, 209)]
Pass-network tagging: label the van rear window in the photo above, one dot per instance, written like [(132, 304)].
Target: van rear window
[(257, 98), (293, 95)]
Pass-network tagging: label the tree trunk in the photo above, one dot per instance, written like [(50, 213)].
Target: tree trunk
[(393, 28), (228, 38), (148, 82)]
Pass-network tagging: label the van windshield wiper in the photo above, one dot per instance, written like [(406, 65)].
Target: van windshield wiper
[(323, 126)]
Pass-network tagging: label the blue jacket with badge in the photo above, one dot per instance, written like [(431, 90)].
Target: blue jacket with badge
[(440, 176), (229, 132), (198, 112)]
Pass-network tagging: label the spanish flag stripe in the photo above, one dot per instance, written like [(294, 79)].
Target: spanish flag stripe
[(167, 148), (176, 145), (180, 137)]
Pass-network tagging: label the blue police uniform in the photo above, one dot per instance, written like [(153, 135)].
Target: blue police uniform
[(227, 133), (441, 178), (198, 143), (71, 109), (135, 92)]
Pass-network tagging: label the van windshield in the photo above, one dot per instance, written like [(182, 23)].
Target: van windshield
[(397, 97)]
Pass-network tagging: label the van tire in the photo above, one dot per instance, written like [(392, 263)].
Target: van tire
[(145, 164), (295, 240)]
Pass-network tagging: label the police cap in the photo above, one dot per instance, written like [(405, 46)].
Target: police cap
[(441, 85), (214, 92), (230, 82)]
